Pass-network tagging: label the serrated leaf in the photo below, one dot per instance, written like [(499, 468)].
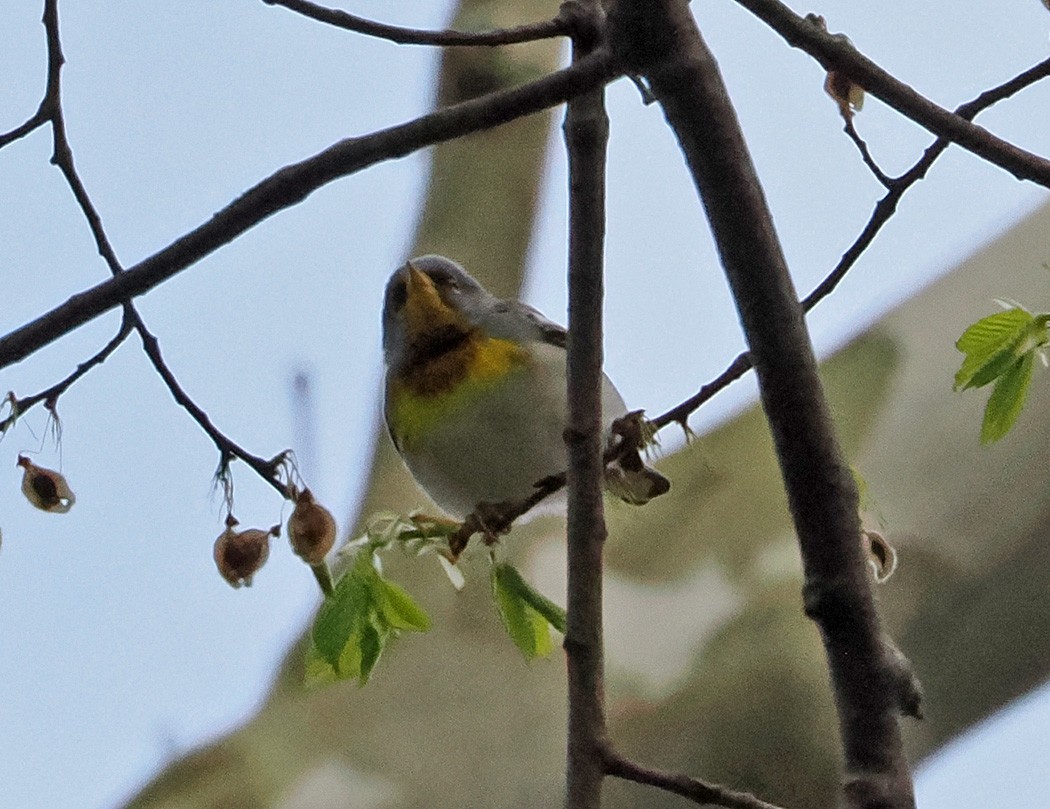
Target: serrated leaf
[(554, 614), (399, 609), (529, 629), (992, 345), (1007, 400)]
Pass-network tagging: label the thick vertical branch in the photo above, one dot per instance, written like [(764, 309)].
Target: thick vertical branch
[(586, 133), (661, 41)]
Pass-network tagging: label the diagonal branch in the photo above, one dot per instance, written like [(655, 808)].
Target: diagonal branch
[(883, 212), (547, 29), (50, 395), (669, 51), (294, 183), (693, 789), (837, 53)]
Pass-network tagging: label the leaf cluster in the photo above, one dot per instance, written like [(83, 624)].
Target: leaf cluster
[(366, 609), (1000, 350), (355, 623)]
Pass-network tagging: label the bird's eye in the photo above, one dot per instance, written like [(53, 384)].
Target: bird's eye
[(443, 279), (397, 295)]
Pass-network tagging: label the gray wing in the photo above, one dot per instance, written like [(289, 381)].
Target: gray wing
[(514, 319)]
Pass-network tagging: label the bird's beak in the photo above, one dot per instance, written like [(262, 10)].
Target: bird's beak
[(424, 309)]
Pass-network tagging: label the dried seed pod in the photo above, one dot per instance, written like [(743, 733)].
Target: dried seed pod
[(239, 554), (311, 529), (45, 488)]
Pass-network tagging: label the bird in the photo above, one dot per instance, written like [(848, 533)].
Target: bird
[(475, 392)]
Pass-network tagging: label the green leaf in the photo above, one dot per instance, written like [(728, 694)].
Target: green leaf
[(527, 627), (320, 672), (341, 615), (356, 621), (372, 642), (1007, 399), (399, 609), (513, 580), (994, 343)]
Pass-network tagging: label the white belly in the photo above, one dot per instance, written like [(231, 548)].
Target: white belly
[(498, 445)]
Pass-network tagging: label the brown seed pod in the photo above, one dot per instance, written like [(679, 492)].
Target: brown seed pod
[(239, 554), (45, 488), (311, 529)]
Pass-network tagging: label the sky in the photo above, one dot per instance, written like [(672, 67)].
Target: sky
[(119, 644)]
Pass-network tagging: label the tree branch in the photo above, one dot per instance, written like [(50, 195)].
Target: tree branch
[(661, 41), (62, 157), (586, 132), (883, 212), (50, 395), (693, 789), (837, 53), (294, 183), (531, 32)]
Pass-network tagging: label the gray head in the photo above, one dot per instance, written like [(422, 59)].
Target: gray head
[(429, 294)]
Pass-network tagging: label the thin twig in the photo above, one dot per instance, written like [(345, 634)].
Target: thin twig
[(267, 469), (865, 154), (700, 792), (294, 183), (884, 210), (62, 158), (51, 394), (530, 32), (35, 122), (837, 53)]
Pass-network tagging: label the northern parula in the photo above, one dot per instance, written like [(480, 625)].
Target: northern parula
[(476, 400)]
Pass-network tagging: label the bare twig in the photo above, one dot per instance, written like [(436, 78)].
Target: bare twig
[(865, 154), (837, 53), (32, 124), (54, 65), (294, 183), (51, 394), (530, 32), (700, 792), (883, 212), (62, 157)]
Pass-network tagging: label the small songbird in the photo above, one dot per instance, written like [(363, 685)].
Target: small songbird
[(476, 399)]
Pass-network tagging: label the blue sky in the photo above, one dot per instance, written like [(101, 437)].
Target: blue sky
[(119, 645)]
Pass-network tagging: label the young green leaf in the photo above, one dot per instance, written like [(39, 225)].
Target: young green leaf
[(513, 580), (341, 615), (994, 343), (399, 610), (372, 641), (527, 627), (1007, 399), (356, 621)]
